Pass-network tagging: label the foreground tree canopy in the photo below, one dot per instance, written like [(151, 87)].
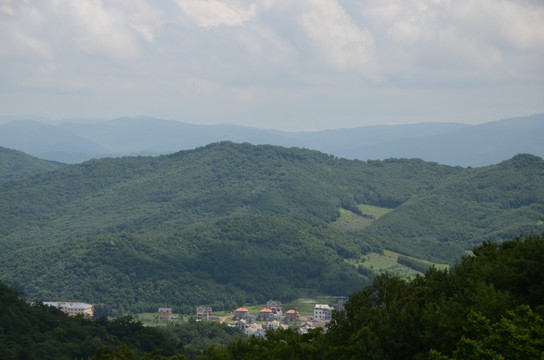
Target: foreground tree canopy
[(488, 306)]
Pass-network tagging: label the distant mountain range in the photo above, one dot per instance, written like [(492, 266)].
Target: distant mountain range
[(77, 140)]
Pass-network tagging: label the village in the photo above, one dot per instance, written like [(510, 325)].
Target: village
[(270, 317)]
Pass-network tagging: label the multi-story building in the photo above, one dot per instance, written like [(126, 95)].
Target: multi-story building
[(165, 314), (73, 308), (291, 315), (322, 313), (275, 306), (204, 313)]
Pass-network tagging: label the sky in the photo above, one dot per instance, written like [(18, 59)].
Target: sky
[(293, 65)]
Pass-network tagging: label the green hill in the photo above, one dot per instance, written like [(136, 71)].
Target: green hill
[(490, 203), (229, 224), (16, 165)]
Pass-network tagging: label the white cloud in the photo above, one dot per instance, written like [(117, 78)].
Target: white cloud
[(315, 55), (20, 31), (489, 38), (95, 29), (6, 7), (213, 13), (518, 25), (338, 43), (142, 17), (267, 45)]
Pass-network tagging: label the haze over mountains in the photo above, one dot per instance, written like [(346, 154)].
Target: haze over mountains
[(77, 140)]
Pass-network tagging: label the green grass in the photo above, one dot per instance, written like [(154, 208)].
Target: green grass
[(430, 263), (387, 263), (373, 211), (151, 319), (350, 220)]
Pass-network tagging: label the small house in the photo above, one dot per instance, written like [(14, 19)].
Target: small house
[(291, 315), (240, 313), (165, 314), (264, 314)]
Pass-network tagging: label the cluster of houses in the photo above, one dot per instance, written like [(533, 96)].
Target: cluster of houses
[(272, 316)]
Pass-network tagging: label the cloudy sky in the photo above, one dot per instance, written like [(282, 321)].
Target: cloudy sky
[(282, 64)]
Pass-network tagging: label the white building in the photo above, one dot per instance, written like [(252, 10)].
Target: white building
[(322, 313), (72, 308)]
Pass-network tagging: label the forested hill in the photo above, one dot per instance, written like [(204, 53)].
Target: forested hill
[(488, 306), (228, 223), (17, 165)]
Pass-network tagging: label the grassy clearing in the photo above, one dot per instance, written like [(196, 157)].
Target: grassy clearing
[(151, 319), (374, 212), (387, 263), (350, 220), (430, 263)]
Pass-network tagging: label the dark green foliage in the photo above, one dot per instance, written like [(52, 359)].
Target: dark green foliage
[(224, 264), (481, 309), (468, 313), (495, 202), (198, 335), (43, 332), (278, 345), (228, 224), (413, 263), (15, 165), (483, 306)]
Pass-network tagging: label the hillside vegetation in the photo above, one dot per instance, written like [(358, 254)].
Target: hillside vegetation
[(16, 165), (229, 224), (490, 305)]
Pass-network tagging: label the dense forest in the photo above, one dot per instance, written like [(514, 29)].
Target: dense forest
[(490, 305), (16, 165), (229, 224)]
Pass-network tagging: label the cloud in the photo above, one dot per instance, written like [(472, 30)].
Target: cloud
[(213, 13), (483, 38), (267, 45), (142, 17), (18, 35), (95, 29), (6, 8), (92, 27), (335, 42)]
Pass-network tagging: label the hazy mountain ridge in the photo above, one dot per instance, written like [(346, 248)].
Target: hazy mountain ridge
[(445, 143)]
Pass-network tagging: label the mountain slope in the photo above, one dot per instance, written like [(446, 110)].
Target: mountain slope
[(232, 223), (17, 165), (488, 203)]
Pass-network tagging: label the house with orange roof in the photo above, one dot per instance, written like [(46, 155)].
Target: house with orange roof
[(264, 314), (291, 315), (240, 313)]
